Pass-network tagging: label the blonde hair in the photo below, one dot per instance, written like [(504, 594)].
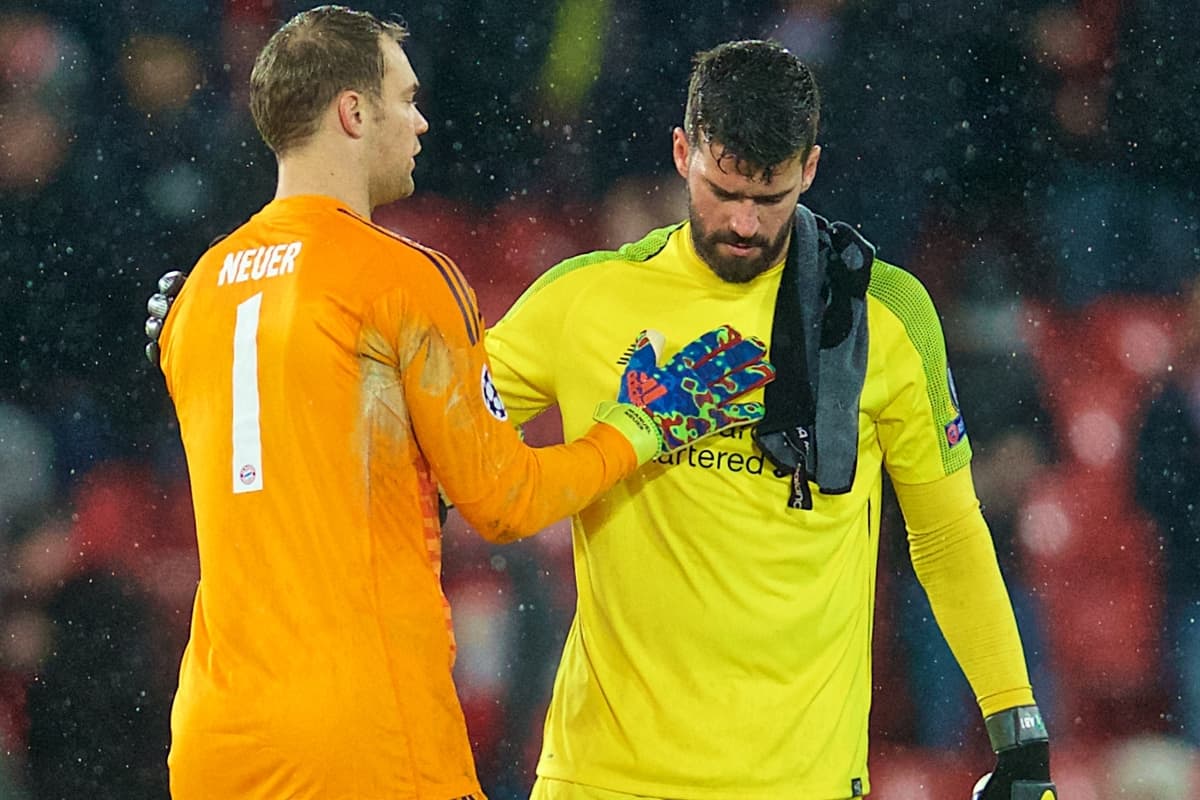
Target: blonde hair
[(312, 58)]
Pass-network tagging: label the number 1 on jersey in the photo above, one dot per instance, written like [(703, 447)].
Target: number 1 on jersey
[(247, 433)]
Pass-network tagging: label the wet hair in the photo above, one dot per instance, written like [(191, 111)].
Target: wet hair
[(316, 55), (754, 100)]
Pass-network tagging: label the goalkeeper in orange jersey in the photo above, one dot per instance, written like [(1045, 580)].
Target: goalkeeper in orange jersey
[(328, 376), (722, 635)]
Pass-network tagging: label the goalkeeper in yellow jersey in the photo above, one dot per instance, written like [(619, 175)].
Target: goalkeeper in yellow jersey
[(722, 638)]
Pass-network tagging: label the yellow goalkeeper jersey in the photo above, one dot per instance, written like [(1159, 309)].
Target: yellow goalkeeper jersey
[(721, 646)]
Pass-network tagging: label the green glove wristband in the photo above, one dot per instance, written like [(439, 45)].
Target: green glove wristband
[(635, 425)]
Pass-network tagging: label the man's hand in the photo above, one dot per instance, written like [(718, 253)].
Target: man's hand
[(690, 396), (159, 305), (1022, 748)]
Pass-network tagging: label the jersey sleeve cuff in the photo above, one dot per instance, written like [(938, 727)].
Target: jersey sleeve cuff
[(634, 424)]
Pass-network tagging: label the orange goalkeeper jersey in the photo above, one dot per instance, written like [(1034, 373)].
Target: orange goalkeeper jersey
[(327, 376)]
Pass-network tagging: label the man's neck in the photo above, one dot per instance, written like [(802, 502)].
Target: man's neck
[(312, 172)]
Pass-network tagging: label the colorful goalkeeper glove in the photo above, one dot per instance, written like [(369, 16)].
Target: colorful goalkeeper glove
[(690, 396), (1022, 749), (159, 305)]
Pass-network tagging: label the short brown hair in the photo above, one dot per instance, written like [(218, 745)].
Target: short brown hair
[(311, 59), (756, 100)]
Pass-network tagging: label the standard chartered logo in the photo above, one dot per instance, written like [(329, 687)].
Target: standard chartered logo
[(704, 456)]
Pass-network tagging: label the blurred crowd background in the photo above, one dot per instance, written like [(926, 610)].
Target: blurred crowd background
[(1033, 162)]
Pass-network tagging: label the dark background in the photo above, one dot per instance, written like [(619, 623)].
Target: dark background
[(1034, 166)]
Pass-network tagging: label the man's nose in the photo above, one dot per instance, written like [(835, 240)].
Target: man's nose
[(745, 219)]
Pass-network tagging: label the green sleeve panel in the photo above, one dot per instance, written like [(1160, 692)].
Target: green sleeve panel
[(904, 296)]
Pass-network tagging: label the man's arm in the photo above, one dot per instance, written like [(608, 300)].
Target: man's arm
[(953, 556), (955, 560), (504, 488), (927, 454), (507, 489)]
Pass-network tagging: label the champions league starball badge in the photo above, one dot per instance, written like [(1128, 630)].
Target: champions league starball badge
[(491, 397)]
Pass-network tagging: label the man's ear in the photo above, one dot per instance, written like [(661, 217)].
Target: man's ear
[(681, 152), (352, 113), (810, 167)]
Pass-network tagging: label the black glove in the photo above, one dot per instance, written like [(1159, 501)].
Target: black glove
[(1022, 749), (159, 305)]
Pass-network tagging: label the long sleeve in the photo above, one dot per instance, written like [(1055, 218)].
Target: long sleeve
[(524, 372), (953, 556), (503, 487)]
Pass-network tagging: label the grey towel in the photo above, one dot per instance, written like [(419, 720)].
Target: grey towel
[(819, 349)]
